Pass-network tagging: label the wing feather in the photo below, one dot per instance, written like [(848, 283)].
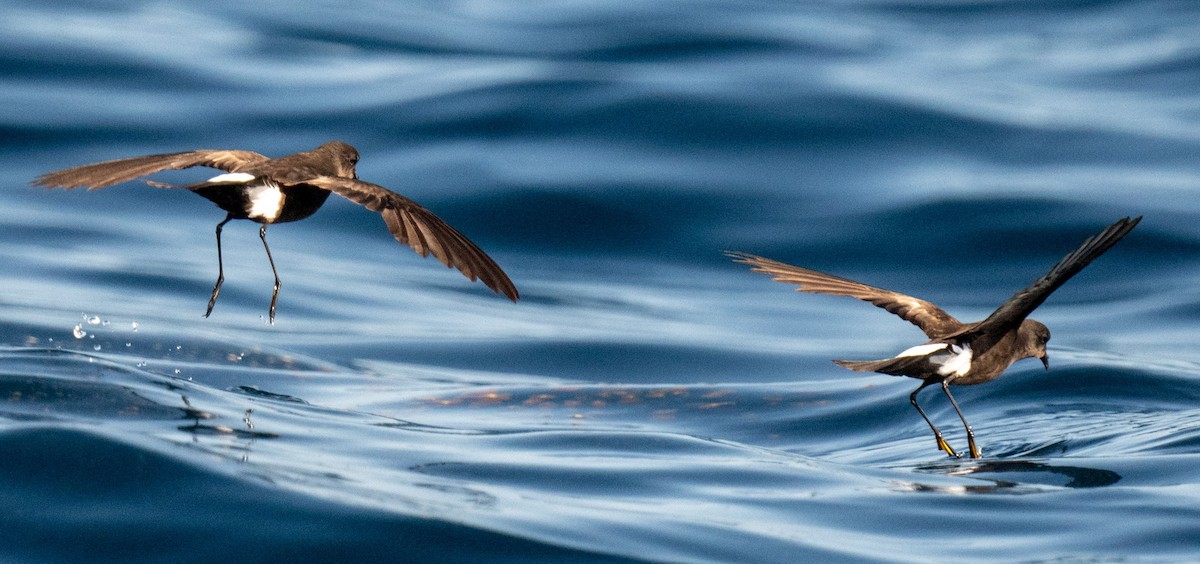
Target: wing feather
[(1012, 312), (100, 175), (426, 233), (928, 317)]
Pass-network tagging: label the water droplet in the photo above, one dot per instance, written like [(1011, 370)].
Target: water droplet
[(127, 345), (141, 364), (96, 347), (78, 331), (134, 325), (104, 323), (178, 347), (177, 371), (93, 320)]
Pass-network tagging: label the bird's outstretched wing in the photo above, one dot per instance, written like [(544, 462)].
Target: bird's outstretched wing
[(107, 173), (1012, 312), (931, 319), (420, 229)]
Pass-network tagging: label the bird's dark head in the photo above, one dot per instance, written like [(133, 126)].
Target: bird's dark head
[(1034, 337), (344, 157)]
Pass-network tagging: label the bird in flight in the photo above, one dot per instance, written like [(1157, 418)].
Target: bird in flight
[(957, 353), (267, 191)]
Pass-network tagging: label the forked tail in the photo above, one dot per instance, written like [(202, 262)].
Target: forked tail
[(863, 365), (910, 366)]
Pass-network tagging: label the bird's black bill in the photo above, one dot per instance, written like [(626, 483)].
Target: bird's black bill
[(1046, 361)]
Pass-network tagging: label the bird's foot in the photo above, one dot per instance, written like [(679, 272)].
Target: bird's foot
[(945, 446), (975, 452)]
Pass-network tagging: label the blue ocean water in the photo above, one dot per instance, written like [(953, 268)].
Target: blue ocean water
[(647, 399)]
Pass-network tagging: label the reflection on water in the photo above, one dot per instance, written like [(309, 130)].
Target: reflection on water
[(1017, 476), (245, 431)]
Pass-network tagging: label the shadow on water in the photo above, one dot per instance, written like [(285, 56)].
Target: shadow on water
[(1016, 477)]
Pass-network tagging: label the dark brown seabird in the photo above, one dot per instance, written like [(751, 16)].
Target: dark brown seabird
[(957, 353), (291, 188)]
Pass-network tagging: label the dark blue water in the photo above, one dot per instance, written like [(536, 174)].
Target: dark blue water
[(647, 399)]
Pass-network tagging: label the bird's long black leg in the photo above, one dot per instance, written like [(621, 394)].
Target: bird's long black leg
[(975, 453), (262, 234), (220, 268), (941, 442)]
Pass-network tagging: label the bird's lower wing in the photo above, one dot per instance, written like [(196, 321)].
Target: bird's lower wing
[(100, 175), (425, 232), (930, 318)]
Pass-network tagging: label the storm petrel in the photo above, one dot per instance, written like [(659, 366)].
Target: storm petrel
[(957, 353), (291, 188)]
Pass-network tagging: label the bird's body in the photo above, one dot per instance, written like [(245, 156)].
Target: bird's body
[(261, 200), (291, 188), (957, 353), (959, 360)]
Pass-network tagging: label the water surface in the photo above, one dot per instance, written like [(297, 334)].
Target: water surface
[(647, 399)]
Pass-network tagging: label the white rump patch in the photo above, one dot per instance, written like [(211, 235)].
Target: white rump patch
[(951, 360), (922, 350), (232, 177), (957, 363), (265, 201)]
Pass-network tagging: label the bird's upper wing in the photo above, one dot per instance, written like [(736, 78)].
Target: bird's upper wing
[(1012, 312), (931, 319), (107, 173), (426, 233)]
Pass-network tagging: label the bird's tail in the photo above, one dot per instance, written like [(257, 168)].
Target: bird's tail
[(861, 365), (899, 366)]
